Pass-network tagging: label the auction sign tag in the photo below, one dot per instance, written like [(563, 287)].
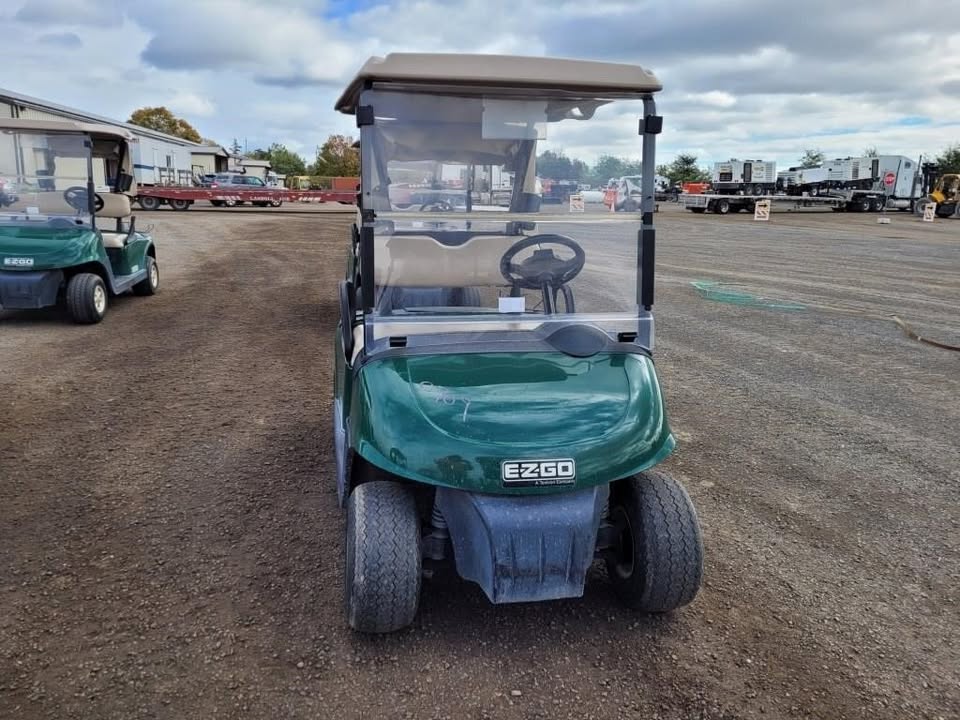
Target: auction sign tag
[(928, 212), (761, 210), (576, 203)]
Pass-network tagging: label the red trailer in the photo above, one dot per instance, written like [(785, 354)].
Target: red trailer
[(181, 198)]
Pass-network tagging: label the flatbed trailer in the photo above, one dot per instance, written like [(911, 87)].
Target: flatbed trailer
[(181, 198), (861, 201)]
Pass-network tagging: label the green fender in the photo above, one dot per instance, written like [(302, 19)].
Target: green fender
[(451, 420)]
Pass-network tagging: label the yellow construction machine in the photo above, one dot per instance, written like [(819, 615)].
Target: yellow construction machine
[(944, 190)]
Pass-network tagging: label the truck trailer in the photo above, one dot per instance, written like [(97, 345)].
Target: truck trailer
[(161, 162)]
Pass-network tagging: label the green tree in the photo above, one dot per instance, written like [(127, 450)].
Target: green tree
[(162, 120), (949, 160), (557, 166), (286, 162), (683, 169), (282, 161), (337, 158), (235, 148), (608, 167), (811, 158)]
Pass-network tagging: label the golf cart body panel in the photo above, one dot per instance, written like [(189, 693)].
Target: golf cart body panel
[(70, 212), (493, 356), (454, 420)]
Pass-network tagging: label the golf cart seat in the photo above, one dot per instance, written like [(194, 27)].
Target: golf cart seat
[(419, 261), (397, 298), (115, 205)]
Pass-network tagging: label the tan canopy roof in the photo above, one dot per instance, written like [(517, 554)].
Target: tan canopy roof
[(66, 126), (501, 71)]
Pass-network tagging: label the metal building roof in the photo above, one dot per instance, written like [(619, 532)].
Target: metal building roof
[(501, 71), (16, 98)]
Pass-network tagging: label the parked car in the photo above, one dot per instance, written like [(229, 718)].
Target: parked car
[(240, 181)]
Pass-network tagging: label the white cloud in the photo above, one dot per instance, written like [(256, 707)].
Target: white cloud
[(714, 98), (739, 79), (188, 103)]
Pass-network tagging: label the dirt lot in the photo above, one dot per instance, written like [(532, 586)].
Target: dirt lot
[(171, 542)]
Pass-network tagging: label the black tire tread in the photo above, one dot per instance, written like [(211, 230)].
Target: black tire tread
[(668, 547), (144, 288), (79, 297), (383, 537)]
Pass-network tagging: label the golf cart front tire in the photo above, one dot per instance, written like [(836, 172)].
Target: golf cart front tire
[(383, 557), (658, 564), (86, 298)]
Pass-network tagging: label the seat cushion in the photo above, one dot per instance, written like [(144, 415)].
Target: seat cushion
[(115, 205)]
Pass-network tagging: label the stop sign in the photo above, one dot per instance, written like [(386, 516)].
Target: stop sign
[(889, 179)]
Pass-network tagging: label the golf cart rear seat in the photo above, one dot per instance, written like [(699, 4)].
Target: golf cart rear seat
[(115, 205), (416, 261)]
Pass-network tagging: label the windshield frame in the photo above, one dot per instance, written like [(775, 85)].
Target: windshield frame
[(373, 167), (86, 219)]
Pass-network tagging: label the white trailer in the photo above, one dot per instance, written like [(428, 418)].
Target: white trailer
[(161, 162), (744, 177), (806, 178)]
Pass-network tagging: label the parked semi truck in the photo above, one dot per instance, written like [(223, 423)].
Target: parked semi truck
[(862, 183)]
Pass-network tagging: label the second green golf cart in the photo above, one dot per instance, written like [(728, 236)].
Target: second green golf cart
[(67, 234), (495, 399)]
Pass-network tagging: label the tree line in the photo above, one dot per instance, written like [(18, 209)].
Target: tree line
[(557, 166), (338, 158)]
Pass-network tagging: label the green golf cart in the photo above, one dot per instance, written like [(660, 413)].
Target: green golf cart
[(495, 403), (66, 229)]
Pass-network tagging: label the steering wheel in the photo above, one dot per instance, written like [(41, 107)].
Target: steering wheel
[(76, 198), (544, 268), (437, 206)]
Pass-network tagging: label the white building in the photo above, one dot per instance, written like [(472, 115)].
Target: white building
[(158, 158)]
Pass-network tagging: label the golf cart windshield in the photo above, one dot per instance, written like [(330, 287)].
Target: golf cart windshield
[(44, 177), (478, 226)]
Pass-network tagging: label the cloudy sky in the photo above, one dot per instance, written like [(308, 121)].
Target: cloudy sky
[(742, 78)]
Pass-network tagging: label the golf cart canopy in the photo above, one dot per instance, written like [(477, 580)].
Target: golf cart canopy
[(479, 74), (64, 172), (66, 126)]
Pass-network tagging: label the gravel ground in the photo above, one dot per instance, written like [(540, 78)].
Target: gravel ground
[(172, 546)]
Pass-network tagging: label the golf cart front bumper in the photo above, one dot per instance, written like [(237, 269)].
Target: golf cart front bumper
[(30, 289), (524, 548)]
